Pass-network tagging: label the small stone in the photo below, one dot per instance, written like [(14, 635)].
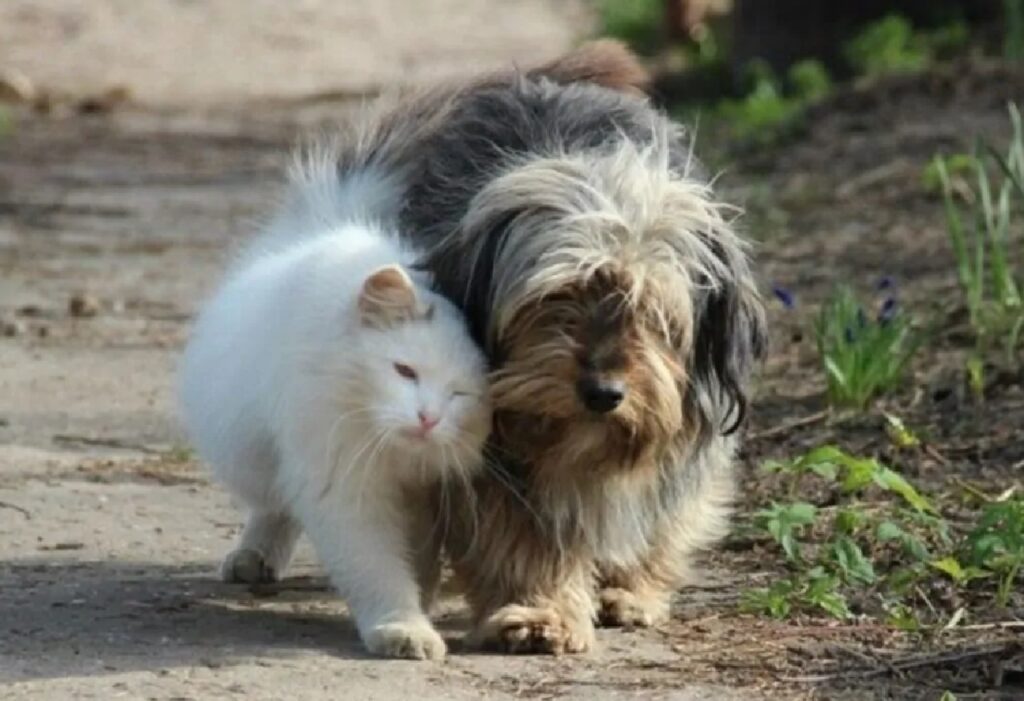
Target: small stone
[(30, 310), (15, 86), (13, 328), (106, 101), (83, 305)]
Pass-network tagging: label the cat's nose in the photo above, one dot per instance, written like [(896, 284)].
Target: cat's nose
[(427, 421), (601, 395)]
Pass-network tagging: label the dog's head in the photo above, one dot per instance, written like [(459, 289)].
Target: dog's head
[(588, 360), (621, 313)]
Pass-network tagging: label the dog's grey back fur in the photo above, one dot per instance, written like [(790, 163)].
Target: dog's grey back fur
[(494, 130)]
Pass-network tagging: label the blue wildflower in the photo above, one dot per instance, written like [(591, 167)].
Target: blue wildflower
[(784, 296), (850, 337), (887, 311), (885, 283)]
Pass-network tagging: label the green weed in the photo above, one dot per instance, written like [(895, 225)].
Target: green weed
[(6, 122), (887, 46), (885, 549), (996, 545), (784, 522), (893, 45), (814, 588), (981, 225), (771, 105), (636, 22), (1013, 39), (863, 357)]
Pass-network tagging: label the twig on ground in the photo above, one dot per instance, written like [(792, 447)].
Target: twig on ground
[(903, 664), (932, 452), (105, 443), (23, 511), (972, 490), (927, 601), (998, 625), (790, 425)]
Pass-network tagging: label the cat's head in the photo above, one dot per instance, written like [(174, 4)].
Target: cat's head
[(425, 379)]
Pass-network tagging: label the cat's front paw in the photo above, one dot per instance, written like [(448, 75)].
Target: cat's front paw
[(411, 640), (247, 566), (622, 607), (529, 630)]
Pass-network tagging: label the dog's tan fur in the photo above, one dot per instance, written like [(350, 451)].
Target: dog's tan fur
[(607, 289)]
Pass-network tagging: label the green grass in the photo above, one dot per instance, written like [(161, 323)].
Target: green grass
[(996, 545), (636, 22), (864, 355), (889, 45), (983, 220), (893, 45), (771, 106), (6, 122), (1013, 39)]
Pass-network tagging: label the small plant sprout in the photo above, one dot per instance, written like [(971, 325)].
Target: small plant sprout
[(864, 357), (980, 220), (901, 436), (784, 522), (996, 545), (888, 45), (853, 474)]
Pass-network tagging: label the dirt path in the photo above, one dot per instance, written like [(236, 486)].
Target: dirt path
[(109, 532)]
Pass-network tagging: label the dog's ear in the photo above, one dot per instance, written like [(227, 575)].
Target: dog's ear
[(729, 337)]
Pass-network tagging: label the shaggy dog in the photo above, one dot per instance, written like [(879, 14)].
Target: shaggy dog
[(570, 222)]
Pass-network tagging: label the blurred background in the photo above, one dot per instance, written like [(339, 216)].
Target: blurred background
[(181, 52)]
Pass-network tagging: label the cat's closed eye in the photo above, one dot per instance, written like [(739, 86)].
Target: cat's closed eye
[(406, 371), (462, 393)]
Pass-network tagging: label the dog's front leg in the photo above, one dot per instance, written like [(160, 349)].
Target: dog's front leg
[(552, 619), (638, 597), (528, 592)]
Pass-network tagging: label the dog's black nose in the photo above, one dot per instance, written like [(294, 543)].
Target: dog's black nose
[(601, 396)]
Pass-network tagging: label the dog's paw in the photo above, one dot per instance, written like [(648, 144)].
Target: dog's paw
[(411, 640), (247, 566), (621, 607), (527, 630)]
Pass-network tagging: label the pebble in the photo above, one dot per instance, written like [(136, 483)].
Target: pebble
[(11, 328), (15, 86), (83, 305)]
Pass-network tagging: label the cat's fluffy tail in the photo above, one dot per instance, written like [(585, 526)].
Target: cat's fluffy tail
[(323, 196)]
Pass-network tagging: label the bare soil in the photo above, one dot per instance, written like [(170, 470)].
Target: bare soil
[(113, 226)]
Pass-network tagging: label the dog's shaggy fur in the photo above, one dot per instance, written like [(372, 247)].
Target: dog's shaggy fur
[(570, 222)]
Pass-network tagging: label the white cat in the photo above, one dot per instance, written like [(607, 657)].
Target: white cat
[(331, 393)]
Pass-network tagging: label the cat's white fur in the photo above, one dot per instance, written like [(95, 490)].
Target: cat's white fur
[(290, 390)]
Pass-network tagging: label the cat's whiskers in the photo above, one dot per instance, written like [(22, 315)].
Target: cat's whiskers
[(464, 477), (371, 460), (332, 450), (352, 462)]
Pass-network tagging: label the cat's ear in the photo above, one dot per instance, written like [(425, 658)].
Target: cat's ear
[(388, 297)]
